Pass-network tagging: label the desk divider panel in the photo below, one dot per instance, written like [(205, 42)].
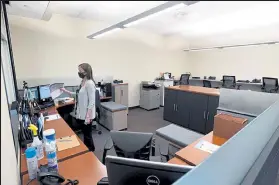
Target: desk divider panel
[(232, 162)]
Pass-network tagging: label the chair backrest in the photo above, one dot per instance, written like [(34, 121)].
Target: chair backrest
[(97, 104), (229, 81), (184, 79), (206, 83), (212, 77), (135, 145), (270, 84)]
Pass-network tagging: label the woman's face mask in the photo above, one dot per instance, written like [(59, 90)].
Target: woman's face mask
[(81, 75)]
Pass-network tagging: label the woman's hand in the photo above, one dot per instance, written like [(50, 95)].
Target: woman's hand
[(65, 90)]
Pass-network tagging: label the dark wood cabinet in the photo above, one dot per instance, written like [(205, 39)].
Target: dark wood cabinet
[(169, 105), (198, 112), (190, 110)]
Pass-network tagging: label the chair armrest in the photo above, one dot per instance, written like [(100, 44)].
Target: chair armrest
[(107, 147)]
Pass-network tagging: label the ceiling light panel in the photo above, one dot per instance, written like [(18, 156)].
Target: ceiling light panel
[(157, 14), (116, 11)]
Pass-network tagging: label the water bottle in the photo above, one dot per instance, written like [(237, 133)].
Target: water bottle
[(50, 148), (32, 162)]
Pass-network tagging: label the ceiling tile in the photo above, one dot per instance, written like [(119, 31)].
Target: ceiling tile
[(31, 9)]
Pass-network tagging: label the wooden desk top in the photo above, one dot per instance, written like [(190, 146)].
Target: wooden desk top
[(86, 168), (194, 156), (196, 89), (61, 130), (175, 160)]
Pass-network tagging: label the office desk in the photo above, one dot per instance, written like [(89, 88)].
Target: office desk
[(86, 168), (102, 98), (194, 156), (61, 129), (178, 161)]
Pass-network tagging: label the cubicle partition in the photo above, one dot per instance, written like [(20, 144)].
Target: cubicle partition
[(217, 83), (245, 104), (249, 157)]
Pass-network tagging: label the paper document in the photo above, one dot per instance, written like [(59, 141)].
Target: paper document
[(206, 146), (55, 90), (52, 117), (56, 93), (67, 142)]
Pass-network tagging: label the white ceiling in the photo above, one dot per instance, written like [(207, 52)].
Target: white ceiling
[(203, 19)]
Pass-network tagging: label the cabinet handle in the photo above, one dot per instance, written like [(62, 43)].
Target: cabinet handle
[(203, 114), (174, 107), (207, 115), (121, 92)]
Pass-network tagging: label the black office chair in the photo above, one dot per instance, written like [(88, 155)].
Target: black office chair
[(229, 82), (270, 85), (135, 145), (98, 113), (207, 83), (212, 78), (184, 79)]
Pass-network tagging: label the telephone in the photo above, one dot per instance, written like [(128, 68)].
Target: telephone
[(50, 178)]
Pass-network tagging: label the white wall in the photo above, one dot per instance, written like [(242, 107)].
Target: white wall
[(243, 62), (9, 167), (49, 50)]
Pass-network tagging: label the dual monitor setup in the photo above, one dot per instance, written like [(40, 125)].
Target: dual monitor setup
[(40, 93)]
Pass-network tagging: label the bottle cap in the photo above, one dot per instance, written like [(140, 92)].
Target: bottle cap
[(30, 152), (49, 134)]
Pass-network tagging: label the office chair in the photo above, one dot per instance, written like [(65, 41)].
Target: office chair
[(207, 83), (184, 79), (229, 82), (135, 145), (270, 85), (98, 111), (212, 78)]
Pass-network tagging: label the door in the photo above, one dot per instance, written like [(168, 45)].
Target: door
[(213, 103), (183, 100), (124, 94), (117, 94), (198, 112), (170, 103)]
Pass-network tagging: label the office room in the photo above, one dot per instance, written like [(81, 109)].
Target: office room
[(140, 92)]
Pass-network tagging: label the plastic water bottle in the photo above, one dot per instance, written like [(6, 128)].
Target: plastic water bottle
[(50, 148), (32, 162)]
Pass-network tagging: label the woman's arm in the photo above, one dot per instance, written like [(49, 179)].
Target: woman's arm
[(90, 88), (68, 92)]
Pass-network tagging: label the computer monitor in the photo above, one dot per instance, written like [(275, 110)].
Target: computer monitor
[(44, 92), (21, 93), (126, 171), (35, 93)]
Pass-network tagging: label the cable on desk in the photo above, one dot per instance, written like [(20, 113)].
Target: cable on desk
[(72, 182)]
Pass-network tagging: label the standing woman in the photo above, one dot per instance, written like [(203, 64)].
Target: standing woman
[(84, 111)]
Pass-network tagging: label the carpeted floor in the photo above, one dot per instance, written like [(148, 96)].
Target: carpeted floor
[(139, 120)]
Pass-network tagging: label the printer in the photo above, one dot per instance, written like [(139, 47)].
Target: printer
[(150, 95)]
